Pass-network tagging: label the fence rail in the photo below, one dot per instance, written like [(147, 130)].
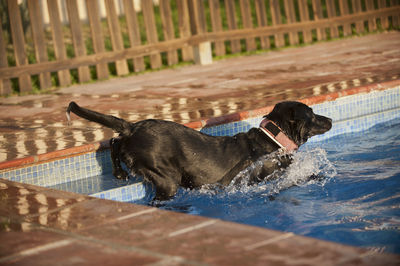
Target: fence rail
[(33, 55)]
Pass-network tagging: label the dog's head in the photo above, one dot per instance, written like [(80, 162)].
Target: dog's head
[(298, 121)]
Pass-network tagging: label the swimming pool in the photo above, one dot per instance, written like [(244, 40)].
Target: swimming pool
[(355, 200), (340, 206)]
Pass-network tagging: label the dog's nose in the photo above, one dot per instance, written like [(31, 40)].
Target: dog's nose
[(328, 123), (325, 123)]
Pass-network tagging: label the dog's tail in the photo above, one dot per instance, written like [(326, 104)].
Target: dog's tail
[(117, 124)]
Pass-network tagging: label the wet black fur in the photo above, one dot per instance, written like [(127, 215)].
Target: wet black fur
[(171, 155)]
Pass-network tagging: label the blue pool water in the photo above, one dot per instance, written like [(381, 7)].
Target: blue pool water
[(355, 201)]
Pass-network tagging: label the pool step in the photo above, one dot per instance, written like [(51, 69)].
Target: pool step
[(106, 186)]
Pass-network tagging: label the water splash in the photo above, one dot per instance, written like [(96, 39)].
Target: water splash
[(355, 201), (308, 167)]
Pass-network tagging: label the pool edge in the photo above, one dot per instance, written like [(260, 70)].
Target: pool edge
[(210, 122), (194, 240)]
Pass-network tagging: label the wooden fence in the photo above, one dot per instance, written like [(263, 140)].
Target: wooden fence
[(33, 56)]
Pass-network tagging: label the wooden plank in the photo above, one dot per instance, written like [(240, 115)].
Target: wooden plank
[(17, 34), (305, 16), (105, 57), (5, 84), (232, 24), (168, 28), (384, 20), (143, 50), (344, 10), (202, 52), (371, 21), (77, 38), (197, 17), (277, 20), (215, 13), (184, 28), (134, 33), (317, 9), (262, 22), (277, 29), (201, 17), (247, 23), (331, 10), (116, 36), (151, 31), (395, 18), (97, 36), (291, 18), (357, 9), (39, 40), (64, 76)]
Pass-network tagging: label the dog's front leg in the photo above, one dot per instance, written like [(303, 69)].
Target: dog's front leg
[(270, 167), (230, 175), (118, 172)]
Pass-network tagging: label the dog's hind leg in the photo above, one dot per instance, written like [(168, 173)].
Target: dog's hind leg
[(118, 172)]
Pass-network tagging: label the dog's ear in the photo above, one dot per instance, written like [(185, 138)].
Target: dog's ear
[(292, 115), (299, 112), (282, 111)]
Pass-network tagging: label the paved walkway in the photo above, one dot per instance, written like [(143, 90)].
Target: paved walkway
[(41, 226), (36, 124)]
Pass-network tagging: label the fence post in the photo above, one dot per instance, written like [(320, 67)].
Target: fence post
[(331, 9), (64, 76), (116, 37), (201, 51), (134, 33), (276, 20), (232, 24), (17, 34), (77, 38), (97, 36), (305, 16), (357, 9), (344, 10), (247, 23), (168, 27), (215, 13), (262, 22), (151, 31), (318, 15), (184, 28), (291, 18), (5, 84), (39, 41)]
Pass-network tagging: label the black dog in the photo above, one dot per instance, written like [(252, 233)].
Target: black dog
[(171, 155)]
